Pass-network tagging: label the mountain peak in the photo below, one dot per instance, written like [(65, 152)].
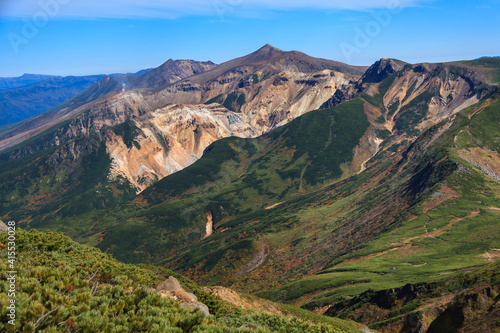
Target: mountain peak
[(268, 51), (172, 71), (382, 69), (269, 47)]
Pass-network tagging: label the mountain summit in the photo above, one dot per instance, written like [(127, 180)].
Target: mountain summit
[(172, 71), (273, 60), (268, 48), (265, 53)]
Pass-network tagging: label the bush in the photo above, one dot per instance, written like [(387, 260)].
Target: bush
[(63, 286)]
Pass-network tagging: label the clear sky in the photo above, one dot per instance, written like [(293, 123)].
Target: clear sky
[(80, 37)]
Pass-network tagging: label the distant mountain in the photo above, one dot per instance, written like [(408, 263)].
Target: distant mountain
[(106, 85), (141, 72), (29, 95), (24, 80), (171, 71), (26, 101), (270, 59)]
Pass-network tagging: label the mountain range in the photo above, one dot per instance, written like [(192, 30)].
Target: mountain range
[(367, 193), (31, 94)]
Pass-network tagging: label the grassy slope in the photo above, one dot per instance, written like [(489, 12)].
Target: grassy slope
[(46, 179), (468, 302), (431, 238), (492, 66), (67, 287)]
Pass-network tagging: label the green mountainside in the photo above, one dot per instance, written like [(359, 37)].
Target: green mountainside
[(447, 224), (467, 302)]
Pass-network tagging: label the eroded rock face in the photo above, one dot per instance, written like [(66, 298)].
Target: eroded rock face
[(471, 310), (3, 227), (172, 288), (175, 136), (382, 69), (209, 230), (248, 103)]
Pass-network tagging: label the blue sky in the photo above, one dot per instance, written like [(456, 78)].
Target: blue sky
[(80, 37)]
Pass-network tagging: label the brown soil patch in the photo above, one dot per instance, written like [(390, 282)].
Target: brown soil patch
[(444, 194), (371, 256), (487, 160), (246, 302), (322, 310), (304, 299), (491, 255), (481, 108), (406, 250)]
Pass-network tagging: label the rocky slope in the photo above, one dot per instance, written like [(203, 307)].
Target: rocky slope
[(254, 94), (465, 303), (149, 134), (170, 72), (247, 112)]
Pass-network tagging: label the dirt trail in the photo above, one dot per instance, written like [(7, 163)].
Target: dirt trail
[(256, 262), (370, 256), (406, 242), (443, 230)]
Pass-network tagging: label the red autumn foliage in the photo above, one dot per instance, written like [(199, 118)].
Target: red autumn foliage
[(70, 323)]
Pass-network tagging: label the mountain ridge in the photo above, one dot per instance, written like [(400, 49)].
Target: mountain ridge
[(33, 98), (268, 55), (32, 94)]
